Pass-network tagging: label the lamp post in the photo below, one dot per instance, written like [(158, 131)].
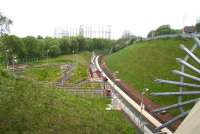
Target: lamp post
[(73, 56), (13, 62), (7, 59), (115, 75), (47, 56), (142, 106), (142, 98)]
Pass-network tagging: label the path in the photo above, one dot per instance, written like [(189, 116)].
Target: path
[(84, 87)]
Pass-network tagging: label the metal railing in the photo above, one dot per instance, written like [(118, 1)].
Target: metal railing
[(182, 35), (140, 117)]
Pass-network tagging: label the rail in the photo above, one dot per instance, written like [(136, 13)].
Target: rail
[(131, 108)]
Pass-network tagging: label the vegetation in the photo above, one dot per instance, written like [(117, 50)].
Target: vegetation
[(27, 106), (127, 39), (122, 43), (33, 108), (30, 47), (41, 71), (163, 30), (4, 24), (140, 64), (197, 26)]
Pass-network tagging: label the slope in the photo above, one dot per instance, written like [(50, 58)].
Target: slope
[(143, 62)]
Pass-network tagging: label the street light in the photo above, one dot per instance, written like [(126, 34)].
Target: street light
[(7, 61), (115, 75), (142, 98), (13, 61), (73, 56), (47, 57), (142, 106)]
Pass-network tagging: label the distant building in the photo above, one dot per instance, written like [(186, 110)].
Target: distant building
[(189, 29)]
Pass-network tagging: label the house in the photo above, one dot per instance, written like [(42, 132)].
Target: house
[(189, 29)]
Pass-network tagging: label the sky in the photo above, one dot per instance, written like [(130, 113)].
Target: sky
[(40, 17)]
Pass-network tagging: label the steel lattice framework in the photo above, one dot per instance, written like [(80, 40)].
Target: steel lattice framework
[(194, 85), (85, 30)]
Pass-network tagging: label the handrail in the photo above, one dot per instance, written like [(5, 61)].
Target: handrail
[(148, 116)]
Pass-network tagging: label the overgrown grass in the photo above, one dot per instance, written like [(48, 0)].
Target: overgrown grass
[(46, 73), (26, 107), (50, 70), (79, 74), (140, 64), (29, 107)]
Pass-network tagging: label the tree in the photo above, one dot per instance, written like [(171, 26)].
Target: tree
[(32, 47), (4, 24), (53, 46), (82, 43), (74, 45), (65, 45), (2, 56), (163, 30), (54, 51), (197, 26), (13, 46), (42, 45), (128, 35), (151, 34)]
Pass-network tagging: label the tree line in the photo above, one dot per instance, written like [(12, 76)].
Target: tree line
[(163, 30), (38, 47), (12, 46), (166, 29)]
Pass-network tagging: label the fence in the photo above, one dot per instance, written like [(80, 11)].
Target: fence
[(140, 117), (73, 89), (182, 35)]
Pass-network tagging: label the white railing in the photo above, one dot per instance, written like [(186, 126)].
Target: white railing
[(132, 115), (183, 35)]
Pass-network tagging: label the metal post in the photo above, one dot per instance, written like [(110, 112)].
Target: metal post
[(73, 57), (142, 106), (7, 61), (47, 56), (13, 63)]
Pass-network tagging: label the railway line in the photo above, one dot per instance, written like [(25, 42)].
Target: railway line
[(138, 115)]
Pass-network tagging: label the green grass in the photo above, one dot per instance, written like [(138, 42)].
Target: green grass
[(42, 71), (79, 74), (46, 73), (82, 58), (141, 63), (31, 108)]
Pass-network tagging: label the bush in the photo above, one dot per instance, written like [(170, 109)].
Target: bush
[(163, 30), (31, 47), (54, 51), (197, 26)]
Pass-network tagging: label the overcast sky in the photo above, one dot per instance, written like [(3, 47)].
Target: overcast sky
[(40, 17)]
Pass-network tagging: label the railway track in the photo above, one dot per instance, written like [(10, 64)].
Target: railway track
[(140, 117)]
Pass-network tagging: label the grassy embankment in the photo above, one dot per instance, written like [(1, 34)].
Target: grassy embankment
[(50, 72), (140, 64), (28, 107)]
